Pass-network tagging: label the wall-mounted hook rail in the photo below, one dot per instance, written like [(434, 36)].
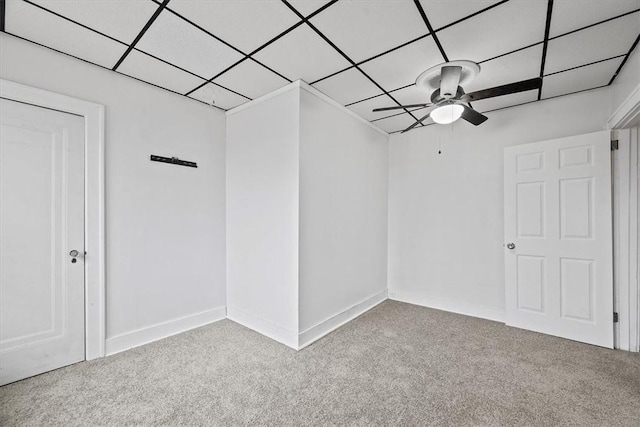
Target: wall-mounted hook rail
[(173, 161)]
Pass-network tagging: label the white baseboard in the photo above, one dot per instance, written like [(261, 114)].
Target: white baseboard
[(323, 328), (158, 331), (448, 305), (263, 326)]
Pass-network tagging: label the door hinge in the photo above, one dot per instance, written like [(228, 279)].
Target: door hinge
[(615, 317), (614, 145)]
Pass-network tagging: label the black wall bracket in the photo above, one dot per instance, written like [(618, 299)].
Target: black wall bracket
[(173, 161)]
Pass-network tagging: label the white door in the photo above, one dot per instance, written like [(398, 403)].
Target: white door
[(558, 252), (41, 222)]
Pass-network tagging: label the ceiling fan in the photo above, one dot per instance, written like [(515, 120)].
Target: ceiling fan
[(449, 102)]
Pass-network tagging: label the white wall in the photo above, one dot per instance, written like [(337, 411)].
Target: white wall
[(262, 215), (306, 215), (343, 211), (446, 211), (165, 225)]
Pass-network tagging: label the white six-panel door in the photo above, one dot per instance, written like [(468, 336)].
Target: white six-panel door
[(41, 222), (559, 277)]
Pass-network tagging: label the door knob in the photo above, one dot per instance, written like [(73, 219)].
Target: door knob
[(74, 254), (511, 246)]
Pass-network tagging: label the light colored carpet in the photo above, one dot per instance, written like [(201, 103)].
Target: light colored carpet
[(397, 364)]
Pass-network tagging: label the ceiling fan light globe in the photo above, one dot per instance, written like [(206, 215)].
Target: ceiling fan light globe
[(447, 114)]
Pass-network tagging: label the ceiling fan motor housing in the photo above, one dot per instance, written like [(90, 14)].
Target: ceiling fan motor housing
[(436, 97)]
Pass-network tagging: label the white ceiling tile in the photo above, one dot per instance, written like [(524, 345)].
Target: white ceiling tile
[(444, 12), (593, 44), (151, 70), (395, 123), (348, 86), (218, 96), (365, 28), (302, 54), (35, 24), (364, 108), (180, 43), (569, 15), (251, 79), (522, 65), (307, 7), (401, 67), (411, 95), (505, 101), (120, 19), (583, 78), (510, 26), (245, 24)]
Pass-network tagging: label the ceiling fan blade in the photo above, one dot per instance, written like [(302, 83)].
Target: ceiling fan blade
[(503, 90), (419, 120), (449, 80), (472, 116), (397, 107)]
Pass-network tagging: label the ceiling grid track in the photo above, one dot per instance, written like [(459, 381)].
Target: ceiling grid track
[(337, 49), (624, 61), (285, 32), (141, 33), (372, 58), (229, 45), (73, 22), (527, 47), (236, 96), (109, 69), (545, 45), (502, 55), (2, 14), (584, 65), (431, 31), (124, 44), (416, 39), (376, 96), (613, 18), (264, 45)]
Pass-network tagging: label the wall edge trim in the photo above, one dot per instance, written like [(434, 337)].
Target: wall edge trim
[(626, 112), (313, 91), (263, 98)]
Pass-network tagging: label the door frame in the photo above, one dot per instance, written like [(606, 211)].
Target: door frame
[(626, 211), (94, 201)]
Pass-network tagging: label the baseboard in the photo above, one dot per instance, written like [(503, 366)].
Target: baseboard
[(263, 326), (327, 326), (162, 330), (447, 305)]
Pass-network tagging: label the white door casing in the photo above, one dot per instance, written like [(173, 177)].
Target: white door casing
[(559, 276), (94, 263), (41, 221)]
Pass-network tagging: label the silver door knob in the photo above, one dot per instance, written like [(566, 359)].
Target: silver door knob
[(511, 246), (74, 253)]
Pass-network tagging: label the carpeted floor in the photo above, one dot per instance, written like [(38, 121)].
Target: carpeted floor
[(397, 364)]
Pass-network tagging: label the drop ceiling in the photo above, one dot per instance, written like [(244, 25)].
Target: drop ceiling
[(362, 53)]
